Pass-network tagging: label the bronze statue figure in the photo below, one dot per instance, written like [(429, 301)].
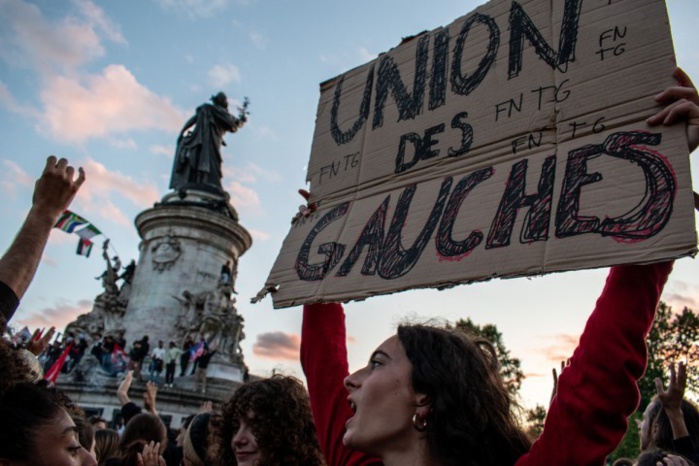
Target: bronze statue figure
[(197, 162)]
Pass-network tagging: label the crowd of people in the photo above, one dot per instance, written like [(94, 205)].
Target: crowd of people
[(428, 395)]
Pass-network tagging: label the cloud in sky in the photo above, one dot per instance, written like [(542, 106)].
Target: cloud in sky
[(59, 315), (223, 74), (560, 349), (30, 40), (277, 345), (258, 40), (167, 151), (9, 102), (76, 109), (102, 185), (259, 235), (679, 294), (13, 177), (195, 8), (242, 196), (77, 106)]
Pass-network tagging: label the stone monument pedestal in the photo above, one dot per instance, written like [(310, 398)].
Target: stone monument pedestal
[(177, 289)]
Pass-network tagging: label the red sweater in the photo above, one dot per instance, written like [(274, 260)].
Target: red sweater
[(596, 393)]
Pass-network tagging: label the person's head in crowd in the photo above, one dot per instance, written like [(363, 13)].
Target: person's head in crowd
[(655, 429), (183, 430), (36, 430), (106, 445), (196, 441), (266, 422), (658, 456), (35, 371), (439, 392), (160, 343), (98, 423), (171, 344), (139, 431), (13, 368), (86, 434), (623, 462)]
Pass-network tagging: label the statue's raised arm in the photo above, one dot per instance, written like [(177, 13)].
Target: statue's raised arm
[(197, 162)]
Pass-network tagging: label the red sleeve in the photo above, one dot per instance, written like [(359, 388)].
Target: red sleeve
[(597, 392), (324, 361)]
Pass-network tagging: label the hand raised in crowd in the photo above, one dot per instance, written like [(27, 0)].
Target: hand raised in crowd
[(37, 345), (564, 364), (123, 389), (681, 103), (671, 398), (673, 460), (56, 188), (150, 456), (149, 397)]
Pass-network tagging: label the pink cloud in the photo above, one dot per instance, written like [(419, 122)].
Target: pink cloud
[(58, 315), (243, 197), (110, 103), (103, 185), (34, 41), (13, 177), (277, 345), (259, 235), (560, 349), (167, 151)]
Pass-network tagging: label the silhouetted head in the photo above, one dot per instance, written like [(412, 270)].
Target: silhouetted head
[(220, 99)]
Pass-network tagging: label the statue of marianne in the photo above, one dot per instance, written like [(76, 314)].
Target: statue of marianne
[(198, 156)]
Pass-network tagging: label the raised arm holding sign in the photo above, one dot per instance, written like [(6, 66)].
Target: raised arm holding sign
[(432, 397)]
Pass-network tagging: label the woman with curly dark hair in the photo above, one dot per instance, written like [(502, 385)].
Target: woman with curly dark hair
[(266, 422)]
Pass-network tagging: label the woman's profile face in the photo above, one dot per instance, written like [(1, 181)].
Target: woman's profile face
[(56, 444), (383, 401), (244, 442)]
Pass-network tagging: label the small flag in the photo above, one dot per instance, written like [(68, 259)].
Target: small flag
[(196, 351), (84, 247), (119, 358), (53, 372), (68, 221), (88, 232)]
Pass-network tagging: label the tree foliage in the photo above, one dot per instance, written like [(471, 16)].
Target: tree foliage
[(510, 367), (673, 337), (534, 421)]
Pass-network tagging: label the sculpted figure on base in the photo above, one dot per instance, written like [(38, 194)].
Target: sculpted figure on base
[(198, 156)]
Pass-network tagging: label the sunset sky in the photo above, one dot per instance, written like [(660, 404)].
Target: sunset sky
[(109, 85)]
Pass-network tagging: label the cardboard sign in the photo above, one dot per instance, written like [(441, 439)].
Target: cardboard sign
[(511, 142)]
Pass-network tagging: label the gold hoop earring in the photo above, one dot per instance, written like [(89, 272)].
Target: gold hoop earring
[(419, 423)]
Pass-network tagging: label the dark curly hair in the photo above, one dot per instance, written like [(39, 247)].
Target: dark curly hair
[(283, 425), (24, 408), (471, 420), (13, 369)]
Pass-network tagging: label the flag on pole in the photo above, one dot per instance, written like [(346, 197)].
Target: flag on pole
[(88, 232), (68, 221), (52, 374), (84, 247)]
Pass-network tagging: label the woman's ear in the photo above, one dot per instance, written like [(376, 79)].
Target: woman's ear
[(422, 400)]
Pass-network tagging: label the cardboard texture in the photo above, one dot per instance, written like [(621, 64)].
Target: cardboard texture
[(511, 142)]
